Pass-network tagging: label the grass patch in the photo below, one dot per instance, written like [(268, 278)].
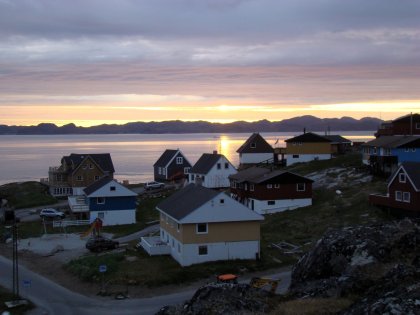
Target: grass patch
[(327, 306), (347, 160), (7, 295), (26, 195)]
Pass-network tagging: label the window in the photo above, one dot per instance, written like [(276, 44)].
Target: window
[(387, 151), (219, 166), (96, 177), (173, 243), (91, 166), (245, 186), (295, 156), (300, 187), (186, 170), (163, 171), (159, 170), (417, 125), (269, 186), (251, 187), (178, 226), (402, 178), (222, 201), (413, 149), (79, 178), (192, 177), (201, 228), (100, 200), (84, 167), (406, 149), (253, 145), (226, 165), (398, 195), (179, 248), (202, 250), (112, 188), (271, 202), (276, 185), (179, 160), (101, 215), (234, 185), (406, 196)]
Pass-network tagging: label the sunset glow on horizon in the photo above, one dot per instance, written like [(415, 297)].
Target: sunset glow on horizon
[(123, 62)]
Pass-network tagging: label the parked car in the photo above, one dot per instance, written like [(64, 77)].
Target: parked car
[(51, 213), (100, 243), (153, 185)]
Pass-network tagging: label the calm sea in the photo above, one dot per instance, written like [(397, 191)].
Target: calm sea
[(25, 158)]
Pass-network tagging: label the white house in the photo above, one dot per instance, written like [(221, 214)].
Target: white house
[(198, 225), (212, 171), (255, 150)]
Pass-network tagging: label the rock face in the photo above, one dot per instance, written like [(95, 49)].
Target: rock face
[(380, 264), (222, 299)]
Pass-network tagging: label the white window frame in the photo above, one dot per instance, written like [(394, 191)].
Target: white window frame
[(79, 178), (226, 165), (271, 202), (417, 125), (374, 151), (277, 186), (253, 145), (413, 149), (406, 196), (187, 170), (96, 177), (219, 166), (160, 170), (304, 187), (100, 198), (201, 224), (402, 177), (178, 227), (179, 160), (406, 149), (91, 166), (398, 195), (295, 156), (251, 187), (269, 186), (163, 170)]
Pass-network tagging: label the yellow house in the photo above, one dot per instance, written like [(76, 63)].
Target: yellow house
[(307, 147), (198, 224)]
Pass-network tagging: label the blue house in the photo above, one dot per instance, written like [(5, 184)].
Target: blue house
[(385, 153), (107, 200)]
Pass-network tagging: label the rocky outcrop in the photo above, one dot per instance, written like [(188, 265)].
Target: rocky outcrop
[(222, 299), (379, 265)]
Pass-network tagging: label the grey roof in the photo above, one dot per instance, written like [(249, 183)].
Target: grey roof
[(103, 160), (337, 139), (261, 145), (259, 175), (205, 163), (413, 171), (96, 185), (308, 137), (186, 200), (391, 141), (166, 157)]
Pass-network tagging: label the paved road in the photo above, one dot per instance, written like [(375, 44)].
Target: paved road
[(52, 298)]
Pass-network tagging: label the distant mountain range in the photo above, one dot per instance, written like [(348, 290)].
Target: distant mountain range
[(309, 123)]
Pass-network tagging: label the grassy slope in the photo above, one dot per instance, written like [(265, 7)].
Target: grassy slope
[(26, 195)]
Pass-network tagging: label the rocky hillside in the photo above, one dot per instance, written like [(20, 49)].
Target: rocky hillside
[(376, 266)]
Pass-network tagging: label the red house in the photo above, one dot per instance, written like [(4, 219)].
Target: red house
[(266, 191), (402, 126), (403, 193)]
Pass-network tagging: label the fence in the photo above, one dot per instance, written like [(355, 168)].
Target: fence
[(64, 223)]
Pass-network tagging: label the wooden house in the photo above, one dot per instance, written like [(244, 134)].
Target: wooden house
[(77, 171), (107, 200), (212, 171), (403, 191), (265, 191), (407, 125), (198, 225), (171, 165), (255, 150)]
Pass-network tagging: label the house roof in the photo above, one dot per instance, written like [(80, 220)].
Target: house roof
[(99, 189), (197, 204), (412, 169), (308, 137), (337, 139), (103, 160), (259, 175), (391, 141), (186, 200), (96, 185), (261, 145), (166, 157), (407, 118), (206, 162)]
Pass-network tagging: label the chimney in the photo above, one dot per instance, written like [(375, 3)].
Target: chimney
[(214, 151), (304, 130)]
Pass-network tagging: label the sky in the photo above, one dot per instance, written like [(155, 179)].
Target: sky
[(90, 62)]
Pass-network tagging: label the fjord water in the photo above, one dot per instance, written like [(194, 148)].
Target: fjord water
[(27, 157)]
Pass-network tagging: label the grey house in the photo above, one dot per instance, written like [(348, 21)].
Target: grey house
[(171, 165)]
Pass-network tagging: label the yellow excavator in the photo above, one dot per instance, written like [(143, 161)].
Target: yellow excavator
[(256, 282)]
